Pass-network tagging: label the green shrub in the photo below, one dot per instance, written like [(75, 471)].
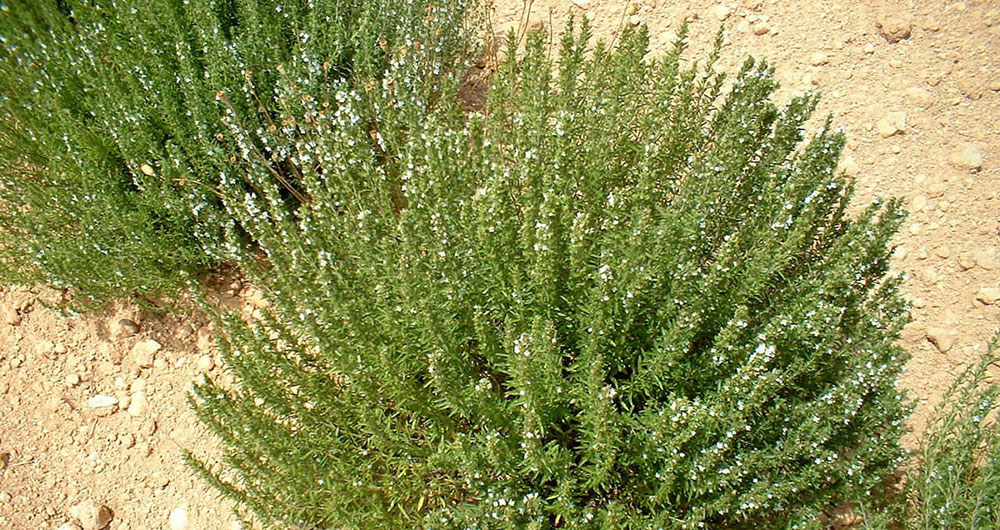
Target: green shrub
[(122, 122), (622, 297), (956, 483)]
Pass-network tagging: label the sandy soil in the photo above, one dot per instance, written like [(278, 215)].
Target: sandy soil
[(922, 116)]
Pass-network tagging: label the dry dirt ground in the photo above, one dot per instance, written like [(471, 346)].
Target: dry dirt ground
[(922, 116)]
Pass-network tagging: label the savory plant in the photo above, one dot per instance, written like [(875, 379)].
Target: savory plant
[(627, 295), (124, 122)]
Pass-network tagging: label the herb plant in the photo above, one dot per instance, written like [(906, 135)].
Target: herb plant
[(627, 295)]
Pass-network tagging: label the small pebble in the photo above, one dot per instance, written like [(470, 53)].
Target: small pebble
[(967, 156), (72, 380), (9, 315), (721, 12), (178, 519), (138, 385), (818, 59), (988, 295), (987, 258), (892, 124), (205, 363), (206, 340), (102, 401), (123, 327), (966, 262), (760, 28), (144, 352), (91, 515), (941, 338), (137, 404), (894, 28)]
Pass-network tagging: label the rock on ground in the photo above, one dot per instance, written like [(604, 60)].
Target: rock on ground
[(91, 515), (967, 156), (942, 339), (895, 27), (988, 295)]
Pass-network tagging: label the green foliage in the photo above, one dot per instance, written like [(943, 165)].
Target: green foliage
[(622, 297), (957, 479), (123, 122)]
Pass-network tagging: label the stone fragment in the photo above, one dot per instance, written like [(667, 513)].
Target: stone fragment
[(818, 59), (893, 123), (919, 97), (721, 12), (72, 380), (936, 187), (942, 339), (895, 27), (178, 519), (966, 261), (9, 315), (760, 28), (971, 86), (4, 461), (919, 202), (987, 258), (91, 515), (100, 401), (988, 295), (44, 347), (849, 166), (137, 404), (206, 363), (967, 156), (144, 352), (206, 340), (123, 327)]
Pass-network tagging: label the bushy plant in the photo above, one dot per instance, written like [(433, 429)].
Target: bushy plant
[(956, 483), (123, 122), (624, 296)]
